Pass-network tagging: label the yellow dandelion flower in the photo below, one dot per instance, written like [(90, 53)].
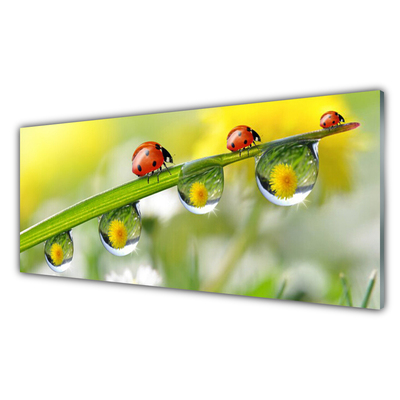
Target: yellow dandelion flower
[(198, 195), (283, 181), (56, 254), (118, 234)]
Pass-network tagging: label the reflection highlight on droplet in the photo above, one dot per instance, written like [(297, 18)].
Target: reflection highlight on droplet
[(287, 173)]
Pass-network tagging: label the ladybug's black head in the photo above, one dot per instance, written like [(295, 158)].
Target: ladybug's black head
[(166, 155), (256, 136), (341, 119)]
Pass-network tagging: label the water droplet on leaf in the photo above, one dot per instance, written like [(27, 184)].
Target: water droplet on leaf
[(58, 251), (200, 189), (120, 229), (286, 174)]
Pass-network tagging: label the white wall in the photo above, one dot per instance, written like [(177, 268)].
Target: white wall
[(68, 339)]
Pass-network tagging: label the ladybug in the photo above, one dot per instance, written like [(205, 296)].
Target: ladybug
[(240, 137), (149, 157), (331, 118)]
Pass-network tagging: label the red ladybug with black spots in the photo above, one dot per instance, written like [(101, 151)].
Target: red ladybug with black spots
[(331, 118), (149, 157), (240, 137)]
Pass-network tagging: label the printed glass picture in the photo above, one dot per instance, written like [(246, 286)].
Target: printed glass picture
[(277, 200)]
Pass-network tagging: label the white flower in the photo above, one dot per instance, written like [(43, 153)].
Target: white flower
[(125, 277), (145, 275)]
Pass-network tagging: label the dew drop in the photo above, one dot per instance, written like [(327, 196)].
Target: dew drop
[(120, 229), (286, 174), (200, 189), (58, 251)]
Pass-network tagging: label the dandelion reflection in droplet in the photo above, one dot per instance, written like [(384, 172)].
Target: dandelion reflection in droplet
[(58, 252), (287, 173), (200, 191), (120, 229)]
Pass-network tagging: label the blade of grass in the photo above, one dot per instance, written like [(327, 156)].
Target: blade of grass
[(370, 287), (346, 290), (239, 244), (281, 289), (194, 267), (138, 189)]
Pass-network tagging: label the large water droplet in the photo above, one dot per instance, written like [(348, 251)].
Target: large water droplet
[(286, 174), (200, 189), (58, 251), (120, 229)]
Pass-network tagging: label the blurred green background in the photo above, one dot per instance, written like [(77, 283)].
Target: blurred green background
[(248, 246)]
